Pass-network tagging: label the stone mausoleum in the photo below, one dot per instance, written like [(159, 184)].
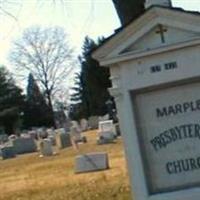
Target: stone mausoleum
[(155, 72)]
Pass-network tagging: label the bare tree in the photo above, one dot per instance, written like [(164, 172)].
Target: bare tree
[(10, 8), (46, 53)]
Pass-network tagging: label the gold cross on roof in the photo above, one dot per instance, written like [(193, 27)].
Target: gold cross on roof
[(161, 30)]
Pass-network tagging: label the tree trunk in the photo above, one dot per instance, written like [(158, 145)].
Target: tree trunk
[(51, 108), (128, 10)]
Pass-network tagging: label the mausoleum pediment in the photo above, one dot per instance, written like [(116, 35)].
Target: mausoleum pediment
[(160, 36), (159, 29)]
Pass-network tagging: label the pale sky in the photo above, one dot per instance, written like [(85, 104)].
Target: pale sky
[(78, 17)]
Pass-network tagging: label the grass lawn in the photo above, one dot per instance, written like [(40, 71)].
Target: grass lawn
[(28, 177)]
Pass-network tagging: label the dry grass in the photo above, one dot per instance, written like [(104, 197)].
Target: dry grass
[(29, 177)]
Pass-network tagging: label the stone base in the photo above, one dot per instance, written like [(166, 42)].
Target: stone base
[(106, 140), (91, 162)]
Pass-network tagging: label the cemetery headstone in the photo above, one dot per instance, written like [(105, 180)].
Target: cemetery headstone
[(33, 134), (52, 138), (93, 122), (3, 138), (46, 147), (75, 133), (84, 124), (24, 145), (42, 133), (63, 139), (104, 118), (106, 132), (8, 152), (91, 162), (154, 64), (12, 137)]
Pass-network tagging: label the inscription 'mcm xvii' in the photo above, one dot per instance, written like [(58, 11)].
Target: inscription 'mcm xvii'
[(179, 108)]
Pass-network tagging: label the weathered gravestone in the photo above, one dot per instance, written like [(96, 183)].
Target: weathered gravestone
[(62, 139), (106, 132), (91, 162), (3, 138), (8, 152), (24, 145), (46, 147), (33, 134), (51, 135), (75, 133), (42, 133), (93, 122), (84, 125), (104, 118), (155, 73)]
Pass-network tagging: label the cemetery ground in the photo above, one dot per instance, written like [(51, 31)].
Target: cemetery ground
[(29, 177)]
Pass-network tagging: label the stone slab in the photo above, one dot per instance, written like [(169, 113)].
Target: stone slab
[(84, 125), (169, 133), (93, 122), (63, 140), (24, 145), (8, 152), (46, 147), (91, 162)]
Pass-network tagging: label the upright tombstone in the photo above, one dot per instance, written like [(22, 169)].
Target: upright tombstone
[(75, 133), (33, 134), (62, 139), (84, 124), (93, 122), (106, 132), (24, 145), (3, 138), (46, 147), (155, 73), (8, 152), (42, 133)]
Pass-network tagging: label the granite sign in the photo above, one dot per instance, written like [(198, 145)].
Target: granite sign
[(169, 134)]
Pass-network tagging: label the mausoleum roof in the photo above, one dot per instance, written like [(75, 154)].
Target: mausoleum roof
[(125, 37)]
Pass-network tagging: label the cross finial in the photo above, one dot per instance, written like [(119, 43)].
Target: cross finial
[(161, 30)]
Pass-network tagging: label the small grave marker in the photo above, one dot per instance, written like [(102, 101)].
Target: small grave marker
[(91, 162)]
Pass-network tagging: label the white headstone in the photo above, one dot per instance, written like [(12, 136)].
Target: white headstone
[(84, 124), (104, 118), (75, 133), (42, 133), (107, 130), (93, 122), (106, 126), (46, 147)]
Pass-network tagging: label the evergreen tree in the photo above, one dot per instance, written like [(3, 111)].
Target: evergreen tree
[(36, 112), (91, 90), (11, 102)]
